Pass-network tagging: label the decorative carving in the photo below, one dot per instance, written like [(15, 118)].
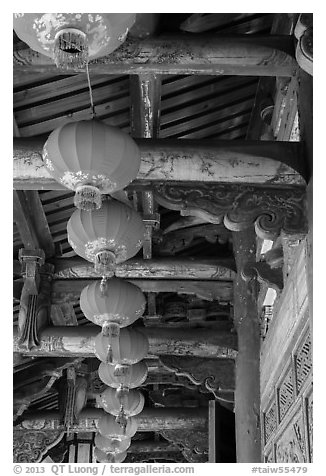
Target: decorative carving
[(30, 446), (34, 309), (216, 374), (285, 394), (173, 457), (291, 446), (193, 444), (272, 277), (269, 456), (304, 34), (270, 421), (239, 206), (303, 362), (310, 425)]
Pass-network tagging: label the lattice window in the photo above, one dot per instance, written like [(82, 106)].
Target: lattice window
[(285, 394), (270, 422), (303, 362)]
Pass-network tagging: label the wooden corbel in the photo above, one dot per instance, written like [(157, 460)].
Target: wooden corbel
[(273, 277), (31, 261)]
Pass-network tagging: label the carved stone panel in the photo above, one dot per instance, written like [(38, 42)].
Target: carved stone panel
[(270, 421), (303, 361), (291, 445), (285, 393)]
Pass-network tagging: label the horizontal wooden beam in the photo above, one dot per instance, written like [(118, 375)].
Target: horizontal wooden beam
[(78, 341), (64, 291), (150, 419), (162, 268), (244, 55), (255, 162)]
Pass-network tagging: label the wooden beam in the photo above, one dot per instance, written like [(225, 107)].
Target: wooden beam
[(243, 55), (79, 342), (252, 162), (31, 222), (160, 268), (150, 419), (69, 291)]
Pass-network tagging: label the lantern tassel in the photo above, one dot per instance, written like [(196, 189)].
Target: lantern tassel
[(112, 331), (122, 420), (105, 263), (70, 49), (87, 197)]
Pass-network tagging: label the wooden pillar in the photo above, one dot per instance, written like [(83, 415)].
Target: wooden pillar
[(150, 419), (247, 372)]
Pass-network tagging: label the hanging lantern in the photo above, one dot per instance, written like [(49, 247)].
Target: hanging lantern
[(92, 159), (111, 445), (130, 376), (110, 428), (122, 402), (107, 236), (119, 302), (72, 39), (103, 457), (128, 346)]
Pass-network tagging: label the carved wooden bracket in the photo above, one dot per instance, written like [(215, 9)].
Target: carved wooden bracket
[(239, 206), (30, 446), (34, 311), (304, 34), (273, 277), (193, 444), (217, 375), (31, 261)]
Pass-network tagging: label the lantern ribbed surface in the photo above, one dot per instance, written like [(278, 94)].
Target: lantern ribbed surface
[(115, 228), (96, 34), (131, 376), (111, 445), (103, 457), (129, 347), (91, 153), (122, 302), (133, 402), (109, 428)]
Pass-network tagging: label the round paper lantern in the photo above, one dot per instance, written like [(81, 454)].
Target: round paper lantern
[(92, 159), (109, 427), (111, 445), (128, 346), (107, 236), (130, 376), (72, 39), (119, 302), (122, 402), (103, 457)]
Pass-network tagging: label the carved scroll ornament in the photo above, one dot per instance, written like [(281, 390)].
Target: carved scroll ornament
[(239, 206), (30, 446)]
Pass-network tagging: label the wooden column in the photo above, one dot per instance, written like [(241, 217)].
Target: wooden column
[(247, 374), (184, 54), (150, 419)]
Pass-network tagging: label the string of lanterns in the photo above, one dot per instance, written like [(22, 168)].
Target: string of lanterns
[(105, 232)]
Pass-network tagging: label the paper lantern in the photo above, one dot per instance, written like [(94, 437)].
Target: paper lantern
[(107, 236), (122, 402), (119, 302), (103, 457), (111, 445), (129, 346), (110, 428), (72, 39), (130, 376), (92, 159)]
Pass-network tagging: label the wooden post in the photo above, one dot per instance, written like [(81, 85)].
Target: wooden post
[(247, 372), (254, 162), (78, 341), (242, 55), (150, 419)]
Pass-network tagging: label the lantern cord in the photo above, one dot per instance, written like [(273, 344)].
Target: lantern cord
[(90, 92)]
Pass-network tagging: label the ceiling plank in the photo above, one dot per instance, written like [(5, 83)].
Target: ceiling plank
[(243, 55), (182, 161)]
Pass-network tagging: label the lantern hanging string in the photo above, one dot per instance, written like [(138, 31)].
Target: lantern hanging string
[(90, 92)]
